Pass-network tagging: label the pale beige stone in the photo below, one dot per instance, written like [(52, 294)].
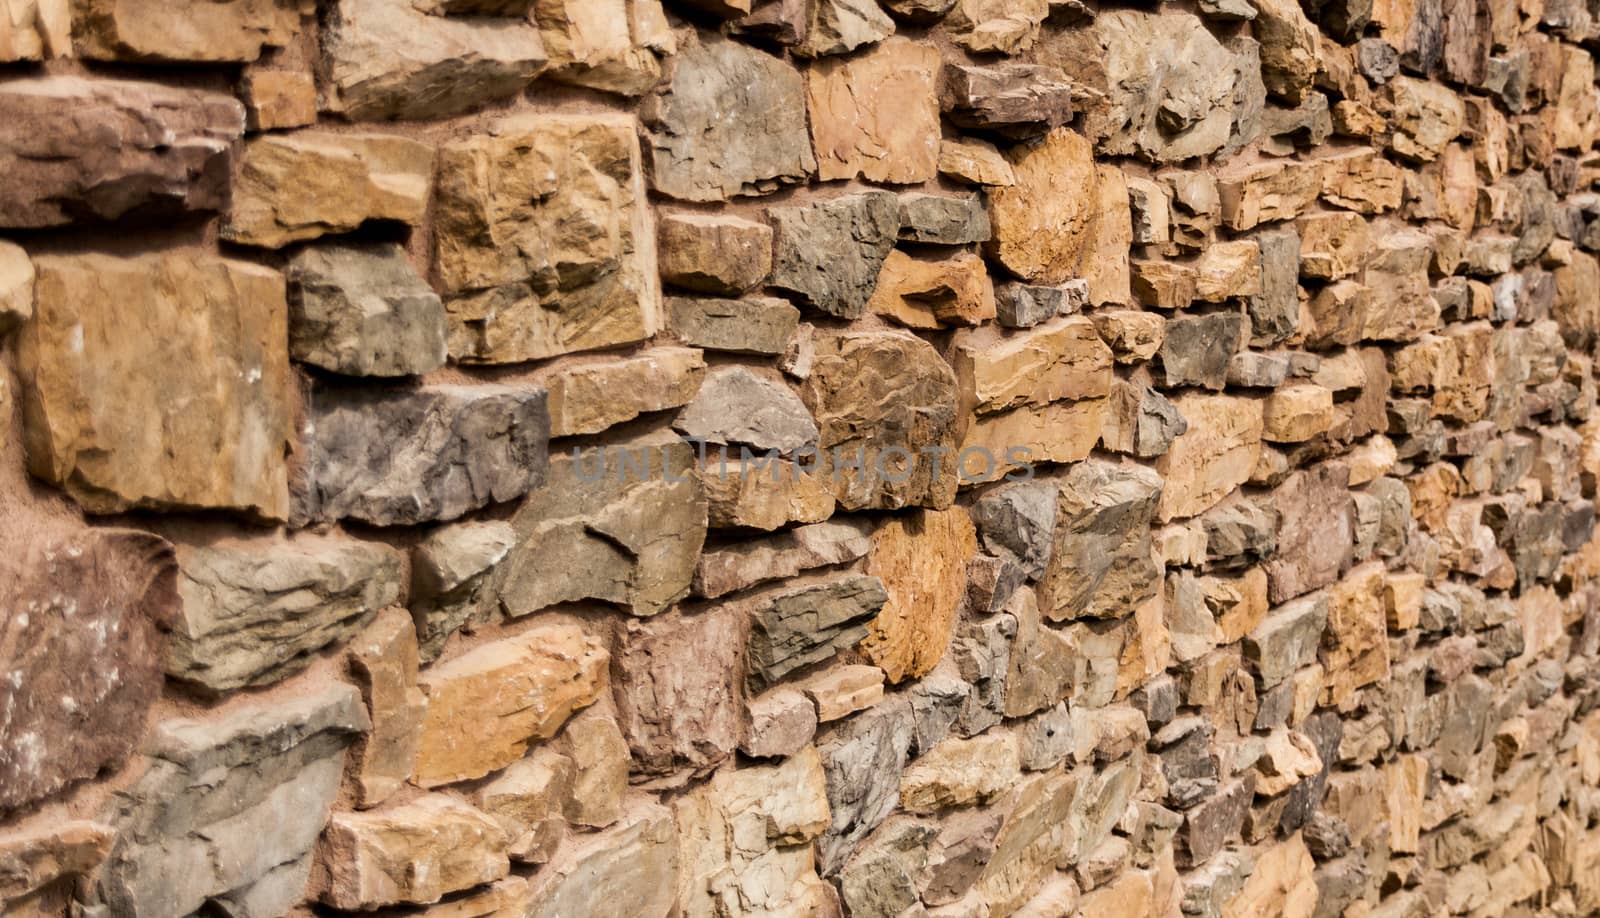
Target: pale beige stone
[(409, 854), (1297, 413), (1063, 358), (876, 115), (975, 162), (1215, 455), (612, 45), (588, 398)]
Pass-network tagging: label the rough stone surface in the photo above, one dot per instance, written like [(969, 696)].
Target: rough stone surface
[(186, 31), (829, 253), (713, 254), (876, 116), (921, 560), (590, 397), (83, 150), (677, 681), (1102, 564), (738, 407), (363, 312), (412, 853)]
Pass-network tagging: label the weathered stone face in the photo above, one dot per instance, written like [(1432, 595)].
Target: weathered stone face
[(677, 681), (876, 116), (621, 524), (138, 30), (412, 853), (363, 312), (613, 46), (829, 253), (1215, 455), (922, 562), (89, 612), (731, 122), (253, 613), (487, 705), (1102, 565), (796, 625), (888, 439), (463, 447), (190, 827), (191, 410), (543, 246), (630, 867), (1044, 223), (81, 150), (387, 59)]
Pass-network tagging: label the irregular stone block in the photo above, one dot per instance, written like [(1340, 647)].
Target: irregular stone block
[(736, 406), (631, 867), (876, 115), (1426, 117), (402, 456), (731, 122), (275, 99), (974, 162), (1314, 533), (1013, 99), (745, 564), (450, 579), (621, 524), (363, 311), (873, 742), (614, 46), (1045, 223), (713, 253), (186, 30), (677, 681), (84, 150), (1289, 48), (190, 827), (1103, 564), (806, 622), (829, 253), (34, 30), (931, 293), (1196, 350), (754, 325), (89, 612), (1140, 421), (413, 853), (764, 495), (487, 705), (388, 59), (384, 661), (188, 410), (921, 561), (1215, 456), (984, 26), (542, 239), (591, 397), (38, 863), (943, 219), (526, 801), (253, 612)]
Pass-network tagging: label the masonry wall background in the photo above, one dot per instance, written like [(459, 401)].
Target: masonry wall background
[(309, 608)]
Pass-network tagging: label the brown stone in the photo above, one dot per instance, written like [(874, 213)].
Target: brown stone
[(765, 496), (1426, 117), (930, 293), (883, 397), (384, 661), (189, 410), (39, 862), (542, 242), (611, 45), (588, 398), (922, 561), (1044, 224), (876, 115), (713, 253), (996, 25), (1103, 564), (1297, 413), (1215, 455), (34, 30), (975, 162), (1012, 99), (413, 853), (1289, 58), (843, 690), (1363, 181), (87, 612), (753, 325), (630, 867), (487, 705), (677, 680), (1314, 532), (1133, 336), (1333, 245), (1228, 269), (1355, 648), (960, 772), (1059, 432), (747, 563), (1274, 190), (1060, 359), (85, 150), (276, 99), (186, 30), (1283, 884)]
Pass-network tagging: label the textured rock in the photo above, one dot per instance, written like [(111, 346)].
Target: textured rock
[(753, 325), (974, 162), (930, 293), (873, 742), (138, 30), (1426, 117), (1102, 564), (677, 679), (622, 524), (1294, 414), (1289, 58), (39, 862), (387, 59), (190, 827), (384, 661), (960, 772), (189, 410), (876, 115), (943, 219), (884, 399), (35, 30), (82, 150), (76, 604), (300, 186), (921, 560), (588, 398), (1213, 457), (748, 830), (276, 99), (806, 622), (16, 287), (449, 579), (1061, 359), (765, 495), (630, 867), (614, 45), (542, 242), (526, 801), (363, 311), (709, 253), (1044, 223), (1197, 350), (412, 853), (745, 564), (1013, 99), (731, 122), (736, 406), (782, 722), (528, 685), (252, 613), (463, 448), (829, 253)]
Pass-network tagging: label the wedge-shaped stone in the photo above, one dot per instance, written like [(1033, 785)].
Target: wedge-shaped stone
[(884, 399), (829, 253), (391, 456), (876, 115), (588, 398), (384, 660), (922, 561), (189, 409), (363, 311), (621, 524), (737, 406), (253, 612), (89, 612), (81, 150), (487, 705), (806, 622), (542, 242), (1013, 99), (744, 564), (731, 122), (190, 827), (931, 293), (1275, 190), (1103, 564), (310, 183), (388, 59), (1215, 456), (614, 46), (409, 854), (185, 30)]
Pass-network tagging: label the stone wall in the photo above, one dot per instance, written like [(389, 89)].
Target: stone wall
[(831, 458)]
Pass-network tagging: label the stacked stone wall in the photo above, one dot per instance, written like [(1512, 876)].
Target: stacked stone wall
[(716, 458)]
